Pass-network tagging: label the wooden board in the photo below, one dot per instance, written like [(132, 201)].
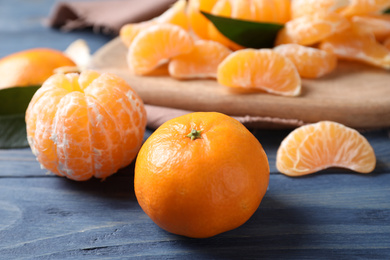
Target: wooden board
[(356, 95)]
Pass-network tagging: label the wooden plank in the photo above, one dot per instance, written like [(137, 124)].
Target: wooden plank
[(330, 215), (21, 162), (356, 95)]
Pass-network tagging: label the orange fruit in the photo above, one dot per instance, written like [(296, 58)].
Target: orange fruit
[(309, 7), (314, 147), (242, 9), (379, 25), (222, 8), (310, 62), (310, 29), (197, 21), (386, 43), (155, 46), (201, 174), (176, 14), (271, 11), (201, 62), (128, 31), (358, 46), (31, 67), (86, 125), (263, 69), (363, 7)]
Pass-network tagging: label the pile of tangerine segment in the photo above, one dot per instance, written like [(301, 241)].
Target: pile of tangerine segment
[(316, 34)]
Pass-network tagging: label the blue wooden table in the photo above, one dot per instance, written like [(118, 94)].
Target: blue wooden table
[(334, 214)]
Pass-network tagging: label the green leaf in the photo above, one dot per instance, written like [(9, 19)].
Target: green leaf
[(387, 11), (13, 105), (246, 33)]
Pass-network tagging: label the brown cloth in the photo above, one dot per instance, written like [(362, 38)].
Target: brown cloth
[(105, 16), (108, 16)]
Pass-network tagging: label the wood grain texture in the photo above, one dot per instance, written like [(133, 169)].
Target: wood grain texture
[(334, 214), (356, 95)]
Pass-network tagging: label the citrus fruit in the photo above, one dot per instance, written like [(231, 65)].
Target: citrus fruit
[(310, 29), (176, 14), (222, 8), (271, 11), (314, 147), (201, 174), (262, 69), (197, 21), (31, 67), (128, 31), (201, 62), (310, 62), (86, 125), (358, 46), (362, 7), (379, 25), (308, 7), (386, 43), (155, 46)]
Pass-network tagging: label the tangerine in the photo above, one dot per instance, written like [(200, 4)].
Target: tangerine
[(263, 69), (311, 29), (86, 125), (310, 62), (201, 174), (176, 14), (354, 44), (314, 147), (155, 45), (31, 67), (201, 62)]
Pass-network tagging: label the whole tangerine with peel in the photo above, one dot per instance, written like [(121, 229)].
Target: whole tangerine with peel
[(31, 67), (85, 125), (201, 174)]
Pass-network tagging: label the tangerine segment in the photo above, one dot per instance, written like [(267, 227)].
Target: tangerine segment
[(325, 144), (310, 62), (262, 69), (309, 7), (156, 45), (196, 19), (176, 14), (379, 25), (128, 32), (201, 174), (354, 45), (31, 67), (201, 62), (311, 29), (86, 125), (363, 7), (271, 11)]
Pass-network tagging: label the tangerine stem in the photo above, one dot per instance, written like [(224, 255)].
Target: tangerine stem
[(195, 134)]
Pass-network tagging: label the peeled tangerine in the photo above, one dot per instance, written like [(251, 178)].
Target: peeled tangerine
[(325, 144), (87, 125)]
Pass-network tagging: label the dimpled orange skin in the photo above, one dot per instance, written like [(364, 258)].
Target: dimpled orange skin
[(31, 67), (202, 187), (84, 126)]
